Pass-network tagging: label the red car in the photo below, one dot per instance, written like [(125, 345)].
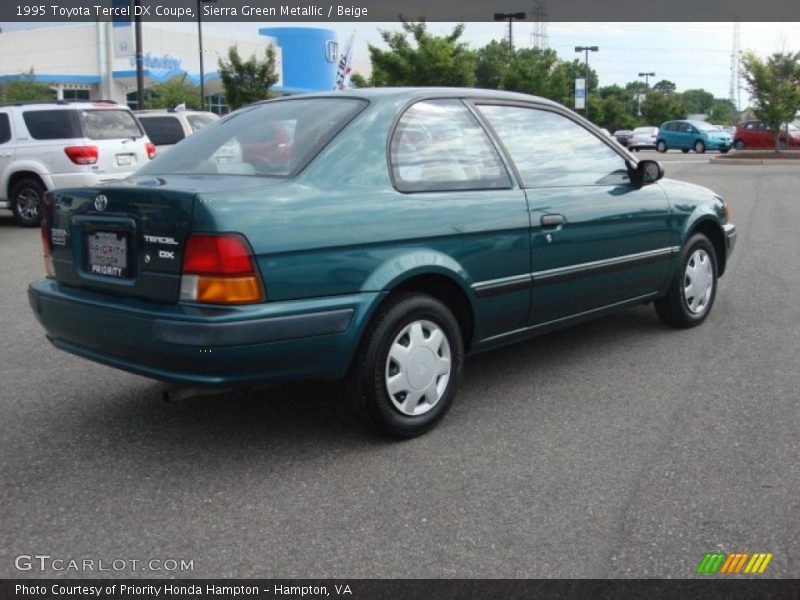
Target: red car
[(755, 134)]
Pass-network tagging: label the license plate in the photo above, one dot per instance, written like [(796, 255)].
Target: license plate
[(108, 254), (124, 160)]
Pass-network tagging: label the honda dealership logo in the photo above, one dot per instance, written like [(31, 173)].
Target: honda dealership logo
[(331, 51)]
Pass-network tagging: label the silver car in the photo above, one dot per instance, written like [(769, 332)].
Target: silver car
[(643, 137)]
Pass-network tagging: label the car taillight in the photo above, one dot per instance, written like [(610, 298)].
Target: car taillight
[(49, 269), (219, 269), (83, 155), (150, 148)]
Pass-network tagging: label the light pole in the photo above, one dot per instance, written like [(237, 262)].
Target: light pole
[(647, 85), (510, 17), (586, 49), (200, 42), (139, 58)]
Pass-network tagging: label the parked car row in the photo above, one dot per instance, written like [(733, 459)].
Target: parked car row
[(55, 144)]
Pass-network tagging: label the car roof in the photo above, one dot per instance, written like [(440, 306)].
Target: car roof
[(418, 93), (64, 104)]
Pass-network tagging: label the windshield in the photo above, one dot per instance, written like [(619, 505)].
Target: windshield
[(273, 139)]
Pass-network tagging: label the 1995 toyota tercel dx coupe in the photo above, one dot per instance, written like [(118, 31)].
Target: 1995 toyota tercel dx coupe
[(392, 232)]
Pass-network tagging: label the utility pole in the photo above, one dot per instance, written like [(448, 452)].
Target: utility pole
[(510, 17)]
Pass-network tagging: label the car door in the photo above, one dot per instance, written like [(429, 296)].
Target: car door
[(596, 239), (6, 150)]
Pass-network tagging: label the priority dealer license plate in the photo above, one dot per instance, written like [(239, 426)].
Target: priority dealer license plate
[(108, 253)]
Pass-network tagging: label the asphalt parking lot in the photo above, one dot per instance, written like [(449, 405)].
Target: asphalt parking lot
[(620, 448)]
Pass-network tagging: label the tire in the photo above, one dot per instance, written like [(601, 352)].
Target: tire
[(694, 287), (26, 198), (739, 144), (661, 146), (406, 321), (782, 144), (699, 147), (685, 150), (724, 150)]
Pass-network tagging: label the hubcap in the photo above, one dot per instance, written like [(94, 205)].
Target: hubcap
[(418, 368), (28, 204), (698, 281)]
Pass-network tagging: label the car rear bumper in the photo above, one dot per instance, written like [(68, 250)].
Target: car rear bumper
[(188, 344)]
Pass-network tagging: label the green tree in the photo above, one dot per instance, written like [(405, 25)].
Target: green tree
[(26, 89), (665, 86), (429, 60), (491, 64), (698, 101), (657, 108), (774, 87), (247, 81), (358, 81), (723, 112), (537, 71), (612, 113), (172, 93)]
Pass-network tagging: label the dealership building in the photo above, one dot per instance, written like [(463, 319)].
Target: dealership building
[(93, 61)]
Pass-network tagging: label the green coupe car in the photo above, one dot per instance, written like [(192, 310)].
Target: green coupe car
[(381, 237)]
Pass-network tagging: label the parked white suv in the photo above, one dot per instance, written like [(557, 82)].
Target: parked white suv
[(167, 127), (48, 145)]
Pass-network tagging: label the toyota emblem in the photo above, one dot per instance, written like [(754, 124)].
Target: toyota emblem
[(101, 202)]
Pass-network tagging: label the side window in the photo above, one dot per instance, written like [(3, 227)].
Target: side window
[(5, 128), (686, 128), (671, 127), (438, 145), (162, 130), (750, 126), (551, 150), (53, 124)]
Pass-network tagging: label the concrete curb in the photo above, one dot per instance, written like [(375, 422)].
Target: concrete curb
[(754, 161)]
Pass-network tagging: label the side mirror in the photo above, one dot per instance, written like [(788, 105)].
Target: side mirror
[(647, 171)]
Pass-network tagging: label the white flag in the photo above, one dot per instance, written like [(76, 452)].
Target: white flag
[(343, 68)]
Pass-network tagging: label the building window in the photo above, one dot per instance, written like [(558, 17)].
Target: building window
[(217, 104), (82, 95)]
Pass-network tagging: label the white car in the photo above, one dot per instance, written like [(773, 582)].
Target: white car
[(167, 127), (56, 144), (643, 137)]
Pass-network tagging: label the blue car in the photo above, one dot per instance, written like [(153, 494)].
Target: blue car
[(692, 135)]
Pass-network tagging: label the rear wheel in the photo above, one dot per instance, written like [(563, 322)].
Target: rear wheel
[(407, 369), (782, 144), (724, 150), (699, 147), (739, 144), (694, 287), (26, 201), (661, 146)]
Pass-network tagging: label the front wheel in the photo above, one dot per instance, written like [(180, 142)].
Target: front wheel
[(661, 146), (699, 147), (694, 287), (26, 202), (406, 372)]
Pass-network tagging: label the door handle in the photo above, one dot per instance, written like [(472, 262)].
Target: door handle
[(552, 220)]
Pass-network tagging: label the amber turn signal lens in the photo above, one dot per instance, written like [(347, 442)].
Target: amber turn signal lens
[(228, 290)]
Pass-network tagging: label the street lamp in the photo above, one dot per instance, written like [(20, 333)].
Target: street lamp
[(647, 78), (647, 85), (586, 49), (200, 42), (510, 17)]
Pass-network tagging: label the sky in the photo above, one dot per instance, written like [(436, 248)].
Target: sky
[(691, 55)]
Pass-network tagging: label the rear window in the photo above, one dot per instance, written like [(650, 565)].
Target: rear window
[(198, 121), (108, 124), (274, 139), (645, 129), (163, 130), (52, 124)]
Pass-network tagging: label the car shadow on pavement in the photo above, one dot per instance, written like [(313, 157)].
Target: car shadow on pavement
[(291, 417)]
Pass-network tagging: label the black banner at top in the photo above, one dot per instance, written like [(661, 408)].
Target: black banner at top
[(390, 10)]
